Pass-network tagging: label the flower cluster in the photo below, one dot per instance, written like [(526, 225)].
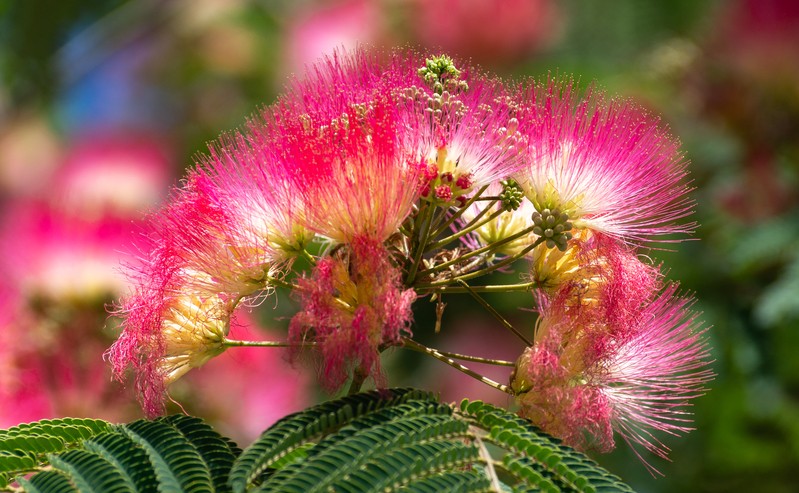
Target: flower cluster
[(375, 183)]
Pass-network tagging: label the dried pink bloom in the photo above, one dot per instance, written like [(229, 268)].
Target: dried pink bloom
[(607, 164), (635, 384), (600, 272), (353, 304)]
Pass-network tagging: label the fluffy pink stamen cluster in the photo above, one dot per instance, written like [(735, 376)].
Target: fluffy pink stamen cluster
[(608, 163), (353, 170), (628, 361), (352, 304), (199, 252)]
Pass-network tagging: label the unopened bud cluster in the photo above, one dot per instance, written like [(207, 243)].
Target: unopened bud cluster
[(554, 227)]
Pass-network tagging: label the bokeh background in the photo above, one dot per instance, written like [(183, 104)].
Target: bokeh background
[(104, 103)]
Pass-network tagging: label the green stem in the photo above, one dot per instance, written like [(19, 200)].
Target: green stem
[(477, 359), (426, 217), (358, 378), (474, 224), (274, 281), (307, 256), (493, 311), (241, 343), (482, 272), (453, 217), (415, 346), (499, 288)]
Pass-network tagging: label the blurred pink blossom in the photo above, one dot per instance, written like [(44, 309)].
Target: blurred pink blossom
[(317, 29), (490, 32), (248, 388)]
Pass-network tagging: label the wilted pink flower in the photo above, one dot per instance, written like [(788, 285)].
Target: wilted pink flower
[(635, 384), (607, 164), (353, 304), (596, 270)]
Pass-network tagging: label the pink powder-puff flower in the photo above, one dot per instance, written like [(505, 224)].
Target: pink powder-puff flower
[(465, 130), (599, 270), (605, 164), (352, 169), (353, 305), (453, 121), (252, 182), (636, 385), (204, 259)]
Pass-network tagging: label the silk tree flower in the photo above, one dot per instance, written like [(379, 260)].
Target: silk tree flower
[(603, 165), (352, 305), (596, 269), (454, 121), (252, 182), (203, 261), (465, 130), (635, 385), (353, 170)]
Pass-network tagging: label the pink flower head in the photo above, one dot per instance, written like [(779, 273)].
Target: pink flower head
[(352, 305), (600, 271), (635, 385), (203, 260), (351, 172), (607, 164), (252, 183), (465, 132), (451, 120)]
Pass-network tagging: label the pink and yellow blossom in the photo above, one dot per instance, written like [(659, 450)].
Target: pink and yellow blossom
[(635, 384), (607, 164)]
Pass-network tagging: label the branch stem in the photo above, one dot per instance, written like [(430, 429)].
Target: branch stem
[(415, 346), (493, 311)]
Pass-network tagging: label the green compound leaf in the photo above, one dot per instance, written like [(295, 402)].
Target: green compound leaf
[(91, 473), (130, 459), (177, 463), (381, 441), (47, 482), (405, 440), (26, 447), (297, 429), (537, 459), (217, 452)]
